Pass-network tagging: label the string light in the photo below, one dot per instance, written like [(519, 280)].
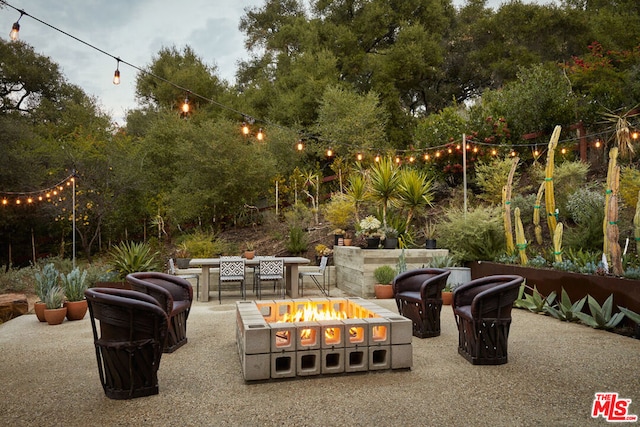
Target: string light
[(185, 105), (634, 135), (598, 144), (245, 129), (30, 197), (300, 146), (15, 29), (377, 158), (260, 135), (359, 157), (329, 152), (116, 75)]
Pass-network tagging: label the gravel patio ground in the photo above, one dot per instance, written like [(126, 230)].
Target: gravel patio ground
[(49, 376)]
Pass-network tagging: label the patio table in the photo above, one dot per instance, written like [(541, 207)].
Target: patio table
[(290, 266)]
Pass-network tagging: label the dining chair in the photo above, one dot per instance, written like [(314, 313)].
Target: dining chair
[(315, 275), (232, 269), (270, 270)]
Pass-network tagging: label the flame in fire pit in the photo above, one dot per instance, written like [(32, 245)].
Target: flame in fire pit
[(312, 313)]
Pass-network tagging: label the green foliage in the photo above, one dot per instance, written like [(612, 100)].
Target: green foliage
[(201, 244), (46, 279), (491, 176), (132, 257), (299, 215), (54, 297), (442, 262), (414, 191), (601, 317), (586, 208), (74, 284), (632, 273), (567, 177), (635, 317), (538, 261), (298, 241), (564, 309), (384, 274), (384, 182), (401, 266), (339, 211), (17, 280), (629, 185), (533, 302), (475, 236), (441, 127)]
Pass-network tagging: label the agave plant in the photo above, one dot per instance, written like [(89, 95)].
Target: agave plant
[(45, 280), (54, 298), (601, 317), (535, 302), (131, 257), (565, 310), (74, 284)]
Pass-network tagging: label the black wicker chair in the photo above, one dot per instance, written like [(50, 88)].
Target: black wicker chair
[(418, 295), (130, 340), (174, 294), (482, 309)]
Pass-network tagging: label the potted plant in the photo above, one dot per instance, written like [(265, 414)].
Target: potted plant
[(54, 312), (430, 235), (458, 276), (347, 238), (249, 250), (384, 276), (390, 237), (74, 284), (182, 256), (322, 250), (370, 229), (338, 234), (45, 280)]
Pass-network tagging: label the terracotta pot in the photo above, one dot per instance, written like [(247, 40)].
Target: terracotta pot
[(447, 298), (39, 307), (55, 316), (76, 309), (249, 254), (347, 242), (383, 291)]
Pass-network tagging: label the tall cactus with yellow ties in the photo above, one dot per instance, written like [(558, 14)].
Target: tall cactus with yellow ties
[(549, 198), (506, 206), (521, 241), (636, 225), (536, 214), (557, 242), (613, 163), (612, 234)]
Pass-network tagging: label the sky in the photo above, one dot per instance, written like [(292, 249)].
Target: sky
[(134, 31)]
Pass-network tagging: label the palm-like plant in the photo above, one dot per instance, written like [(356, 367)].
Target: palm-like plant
[(384, 183), (414, 191), (131, 257), (357, 192)]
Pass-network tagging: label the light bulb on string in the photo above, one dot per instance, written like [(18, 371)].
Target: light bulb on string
[(245, 129), (563, 151), (329, 152), (260, 135), (300, 146), (15, 28), (377, 158), (411, 159), (116, 74), (494, 152), (635, 134), (426, 157), (359, 157), (185, 105), (397, 160), (598, 144), (5, 202)]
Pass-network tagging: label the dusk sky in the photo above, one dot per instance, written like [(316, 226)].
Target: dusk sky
[(134, 32)]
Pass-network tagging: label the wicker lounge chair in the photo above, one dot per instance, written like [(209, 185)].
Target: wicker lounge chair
[(129, 342), (418, 295), (175, 296), (482, 309)]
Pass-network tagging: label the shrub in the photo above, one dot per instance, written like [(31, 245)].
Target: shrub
[(566, 178), (201, 244), (298, 241), (629, 185), (339, 211), (492, 176), (585, 207), (131, 257), (384, 274), (474, 236)]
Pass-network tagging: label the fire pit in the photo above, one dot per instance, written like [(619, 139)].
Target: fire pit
[(319, 336)]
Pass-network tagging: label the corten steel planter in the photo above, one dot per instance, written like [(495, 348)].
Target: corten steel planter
[(626, 292)]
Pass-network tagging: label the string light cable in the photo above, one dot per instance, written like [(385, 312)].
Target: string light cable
[(17, 197)]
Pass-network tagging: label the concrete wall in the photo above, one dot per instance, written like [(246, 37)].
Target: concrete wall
[(354, 266)]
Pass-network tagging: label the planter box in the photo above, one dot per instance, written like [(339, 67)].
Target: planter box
[(626, 292), (354, 266)]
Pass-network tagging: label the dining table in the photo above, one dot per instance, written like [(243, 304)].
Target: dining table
[(291, 264)]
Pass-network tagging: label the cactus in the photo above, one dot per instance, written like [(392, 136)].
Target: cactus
[(536, 214), (612, 232), (549, 198), (521, 241), (557, 243), (636, 225), (506, 203)]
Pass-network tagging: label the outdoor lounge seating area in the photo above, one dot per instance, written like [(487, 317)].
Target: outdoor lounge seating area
[(202, 384)]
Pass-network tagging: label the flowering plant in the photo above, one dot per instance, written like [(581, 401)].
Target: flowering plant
[(369, 226), (323, 250)]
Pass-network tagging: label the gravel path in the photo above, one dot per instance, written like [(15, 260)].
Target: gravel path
[(49, 376)]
